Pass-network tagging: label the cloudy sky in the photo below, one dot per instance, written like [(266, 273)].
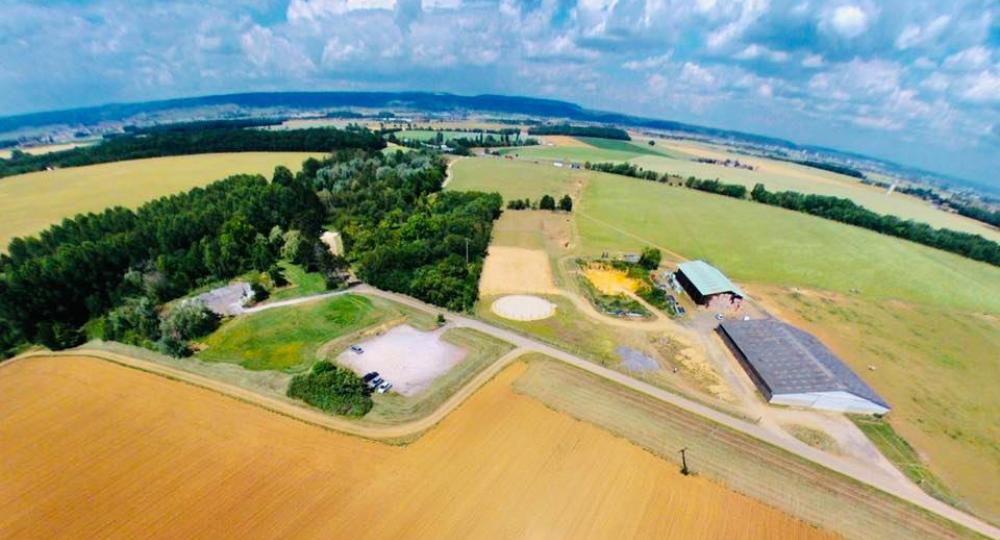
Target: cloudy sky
[(911, 80)]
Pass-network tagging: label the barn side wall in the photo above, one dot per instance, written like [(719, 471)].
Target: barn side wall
[(747, 366), (830, 401)]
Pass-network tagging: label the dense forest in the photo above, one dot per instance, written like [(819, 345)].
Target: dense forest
[(189, 139), (601, 132), (401, 232), (51, 285), (475, 139)]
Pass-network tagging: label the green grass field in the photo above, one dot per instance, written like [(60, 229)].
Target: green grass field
[(287, 338), (31, 202), (577, 154), (482, 349), (426, 135), (748, 241), (300, 282), (755, 243), (511, 178), (780, 176)]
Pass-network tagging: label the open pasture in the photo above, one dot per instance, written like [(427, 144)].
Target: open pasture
[(89, 443), (31, 202), (576, 154), (756, 243), (513, 179), (782, 176)]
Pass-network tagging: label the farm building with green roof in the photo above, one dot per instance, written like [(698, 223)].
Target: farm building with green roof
[(703, 281)]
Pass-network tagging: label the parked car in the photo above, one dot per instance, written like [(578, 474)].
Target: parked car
[(369, 376), (384, 387), (356, 349), (719, 317), (376, 381)]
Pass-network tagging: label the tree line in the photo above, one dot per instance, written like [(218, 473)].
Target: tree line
[(194, 139), (601, 132), (546, 202)]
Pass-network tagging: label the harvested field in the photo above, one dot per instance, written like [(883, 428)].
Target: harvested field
[(773, 476), (406, 357), (516, 270), (522, 307), (564, 140), (31, 202), (90, 445), (610, 281)]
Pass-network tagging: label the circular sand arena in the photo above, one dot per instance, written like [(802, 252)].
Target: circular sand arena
[(523, 307)]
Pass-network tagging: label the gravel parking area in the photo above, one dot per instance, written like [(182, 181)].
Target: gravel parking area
[(406, 357)]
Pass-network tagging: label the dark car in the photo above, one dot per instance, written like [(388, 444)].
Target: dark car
[(369, 376)]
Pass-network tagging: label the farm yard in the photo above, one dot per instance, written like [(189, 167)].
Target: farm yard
[(32, 202), (526, 455)]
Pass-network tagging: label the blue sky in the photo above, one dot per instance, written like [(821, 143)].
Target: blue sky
[(913, 81)]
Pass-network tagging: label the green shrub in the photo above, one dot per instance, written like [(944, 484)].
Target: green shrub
[(185, 322), (332, 389)]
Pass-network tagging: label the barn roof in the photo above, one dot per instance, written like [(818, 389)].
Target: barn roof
[(791, 361), (707, 278)]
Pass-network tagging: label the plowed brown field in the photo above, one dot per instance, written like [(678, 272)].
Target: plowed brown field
[(91, 449)]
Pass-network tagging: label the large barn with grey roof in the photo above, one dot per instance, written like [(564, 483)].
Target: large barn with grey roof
[(792, 367)]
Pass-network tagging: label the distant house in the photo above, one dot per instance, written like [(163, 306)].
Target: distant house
[(557, 163), (631, 258), (792, 367), (704, 282)]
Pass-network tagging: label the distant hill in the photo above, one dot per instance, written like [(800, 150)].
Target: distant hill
[(416, 101)]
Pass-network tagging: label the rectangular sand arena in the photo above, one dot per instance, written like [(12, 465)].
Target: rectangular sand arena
[(516, 270), (406, 357)]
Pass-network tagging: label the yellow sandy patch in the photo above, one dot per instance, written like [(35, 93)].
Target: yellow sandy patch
[(92, 449), (610, 281), (565, 140), (516, 270)]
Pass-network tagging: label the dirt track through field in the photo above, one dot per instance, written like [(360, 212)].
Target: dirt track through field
[(96, 450)]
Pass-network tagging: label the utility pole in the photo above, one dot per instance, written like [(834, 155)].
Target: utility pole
[(684, 462)]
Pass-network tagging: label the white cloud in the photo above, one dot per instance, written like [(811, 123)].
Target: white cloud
[(697, 75), (848, 21), (936, 82), (982, 88), (651, 62), (309, 10), (914, 35), (969, 59), (755, 51), (750, 11), (813, 61)]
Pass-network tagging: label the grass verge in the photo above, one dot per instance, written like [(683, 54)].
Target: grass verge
[(904, 457)]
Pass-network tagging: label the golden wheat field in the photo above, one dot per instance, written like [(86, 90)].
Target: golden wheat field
[(95, 450), (31, 202)]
